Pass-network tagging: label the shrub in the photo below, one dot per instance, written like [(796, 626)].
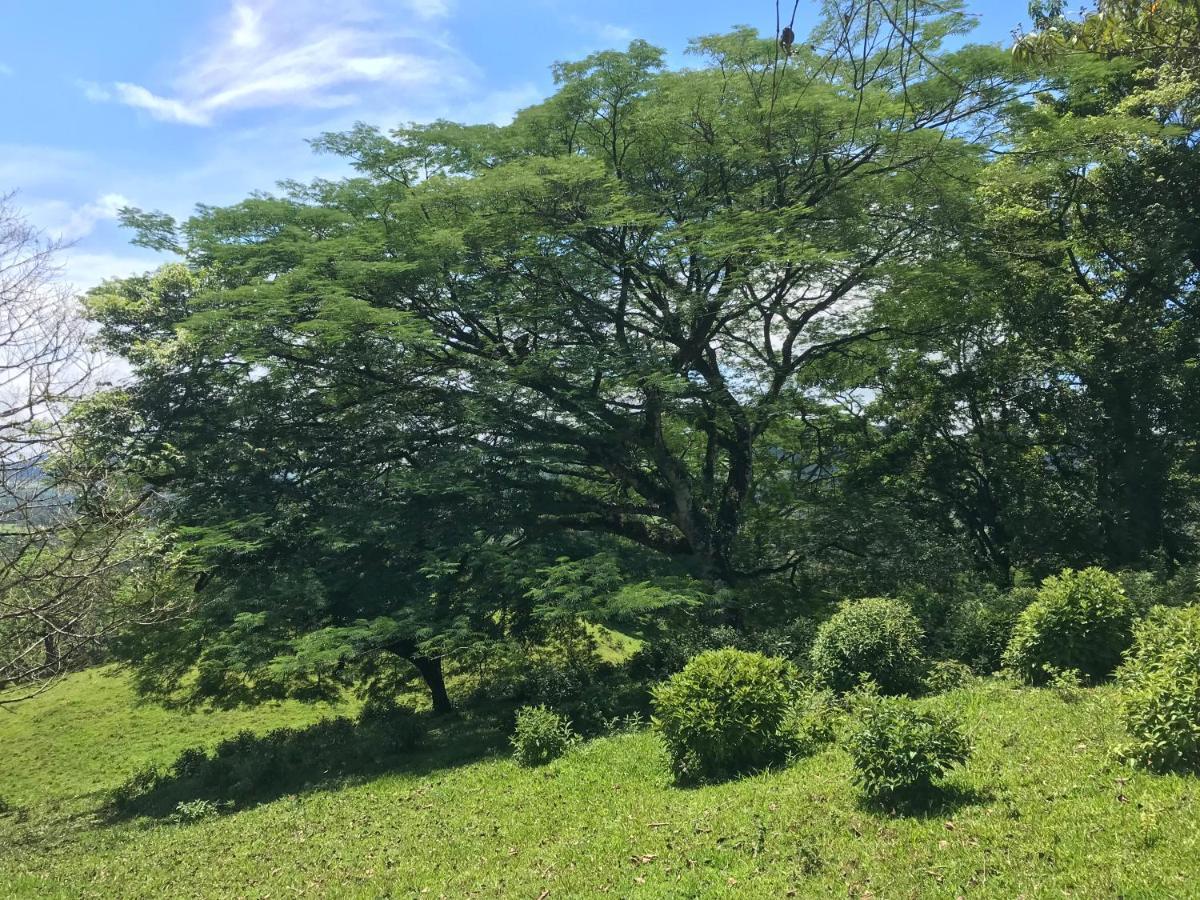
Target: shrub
[(725, 713), (188, 812), (1080, 620), (125, 796), (876, 637), (811, 722), (1160, 690), (396, 727), (541, 736), (979, 627), (946, 675), (900, 751)]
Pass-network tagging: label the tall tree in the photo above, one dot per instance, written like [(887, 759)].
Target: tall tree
[(607, 318)]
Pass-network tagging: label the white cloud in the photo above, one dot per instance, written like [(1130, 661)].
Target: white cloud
[(84, 219), (307, 53), (430, 9), (618, 34), (83, 270), (67, 221), (163, 108)]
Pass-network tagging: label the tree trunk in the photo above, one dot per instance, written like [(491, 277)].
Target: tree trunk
[(53, 661), (430, 668)]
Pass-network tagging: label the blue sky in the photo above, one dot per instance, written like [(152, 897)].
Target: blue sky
[(165, 105)]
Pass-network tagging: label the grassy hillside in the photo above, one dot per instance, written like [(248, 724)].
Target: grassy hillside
[(1042, 810)]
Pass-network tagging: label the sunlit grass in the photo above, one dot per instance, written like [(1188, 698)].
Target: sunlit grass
[(1042, 810)]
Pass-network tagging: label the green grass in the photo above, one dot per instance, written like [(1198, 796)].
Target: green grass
[(1042, 810)]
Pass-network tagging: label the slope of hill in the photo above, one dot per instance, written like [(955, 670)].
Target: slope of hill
[(1042, 810)]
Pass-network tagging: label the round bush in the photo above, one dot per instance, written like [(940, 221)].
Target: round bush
[(1080, 620), (900, 751), (876, 637), (725, 713), (541, 736), (947, 675), (1160, 690)]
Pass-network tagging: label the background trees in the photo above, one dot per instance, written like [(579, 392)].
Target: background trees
[(65, 526), (870, 313)]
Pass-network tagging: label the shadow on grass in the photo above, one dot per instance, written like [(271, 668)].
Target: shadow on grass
[(937, 802), (249, 769)]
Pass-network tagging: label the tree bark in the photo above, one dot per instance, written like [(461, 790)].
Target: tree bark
[(430, 668)]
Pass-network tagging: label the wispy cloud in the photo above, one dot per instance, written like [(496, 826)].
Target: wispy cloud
[(267, 53), (69, 221), (430, 9), (84, 219)]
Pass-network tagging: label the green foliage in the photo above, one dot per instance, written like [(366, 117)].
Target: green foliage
[(899, 751), (979, 627), (1080, 620), (947, 675), (188, 812), (540, 736), (811, 722), (397, 726), (1160, 690), (874, 637), (725, 713)]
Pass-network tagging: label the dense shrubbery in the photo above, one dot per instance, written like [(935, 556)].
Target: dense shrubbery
[(397, 727), (567, 675), (946, 675), (1160, 690), (979, 626), (876, 637), (541, 736), (724, 713), (663, 658), (811, 722), (1080, 620), (900, 751), (1148, 588)]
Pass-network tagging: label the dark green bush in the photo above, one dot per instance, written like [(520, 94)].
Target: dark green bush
[(541, 735), (1160, 690), (900, 751), (876, 637), (725, 713), (1080, 620), (946, 675), (397, 727), (979, 627)]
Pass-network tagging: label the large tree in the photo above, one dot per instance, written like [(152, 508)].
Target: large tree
[(607, 318), (1043, 409)]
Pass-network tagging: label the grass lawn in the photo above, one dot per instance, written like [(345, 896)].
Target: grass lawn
[(1041, 811)]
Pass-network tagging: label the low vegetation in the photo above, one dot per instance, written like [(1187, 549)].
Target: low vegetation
[(1160, 696), (899, 751), (876, 638), (1042, 807), (541, 736), (1080, 622), (725, 714)]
